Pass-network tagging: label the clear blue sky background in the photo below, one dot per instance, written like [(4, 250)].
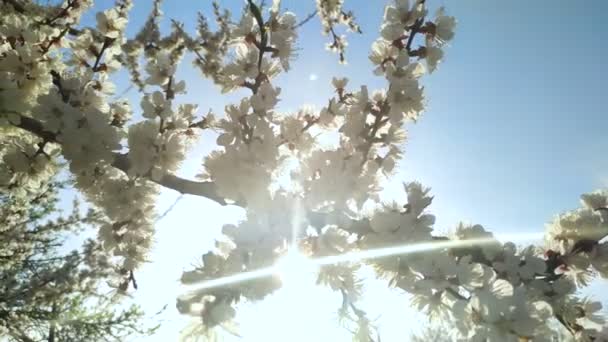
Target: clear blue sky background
[(515, 130)]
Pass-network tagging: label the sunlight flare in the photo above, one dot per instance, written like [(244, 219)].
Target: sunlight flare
[(295, 267), (421, 247), (296, 221), (234, 279), (296, 270)]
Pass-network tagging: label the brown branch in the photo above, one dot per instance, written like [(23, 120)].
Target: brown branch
[(62, 13), (305, 20), (56, 79), (106, 43), (123, 163), (338, 44), (456, 294), (209, 190), (132, 279), (169, 209), (414, 31), (371, 138), (255, 11), (55, 40), (563, 322), (181, 185), (35, 127)]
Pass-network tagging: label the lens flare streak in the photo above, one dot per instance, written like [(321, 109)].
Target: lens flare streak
[(367, 255), (236, 278)]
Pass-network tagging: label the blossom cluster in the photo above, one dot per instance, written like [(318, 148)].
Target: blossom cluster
[(331, 13), (57, 104), (57, 83), (492, 291)]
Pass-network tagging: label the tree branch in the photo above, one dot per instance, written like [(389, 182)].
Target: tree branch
[(209, 191), (62, 13), (123, 163), (415, 29), (106, 43), (255, 11), (565, 324), (35, 127), (456, 294), (181, 185), (305, 20)]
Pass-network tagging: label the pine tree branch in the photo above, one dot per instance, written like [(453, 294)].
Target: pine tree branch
[(16, 5)]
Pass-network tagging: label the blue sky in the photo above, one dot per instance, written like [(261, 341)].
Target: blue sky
[(515, 128)]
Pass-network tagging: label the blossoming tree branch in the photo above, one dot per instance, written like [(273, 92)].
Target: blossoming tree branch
[(56, 104)]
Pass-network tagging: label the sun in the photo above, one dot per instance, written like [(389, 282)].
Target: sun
[(296, 270), (300, 311)]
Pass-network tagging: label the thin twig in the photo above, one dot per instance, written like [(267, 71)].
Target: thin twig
[(414, 31), (305, 20), (255, 11), (124, 92), (170, 208), (106, 43), (61, 13)]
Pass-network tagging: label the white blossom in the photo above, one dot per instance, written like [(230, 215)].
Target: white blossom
[(155, 105), (339, 83), (433, 56), (266, 97), (56, 85), (111, 23), (160, 69), (444, 26), (595, 200)]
